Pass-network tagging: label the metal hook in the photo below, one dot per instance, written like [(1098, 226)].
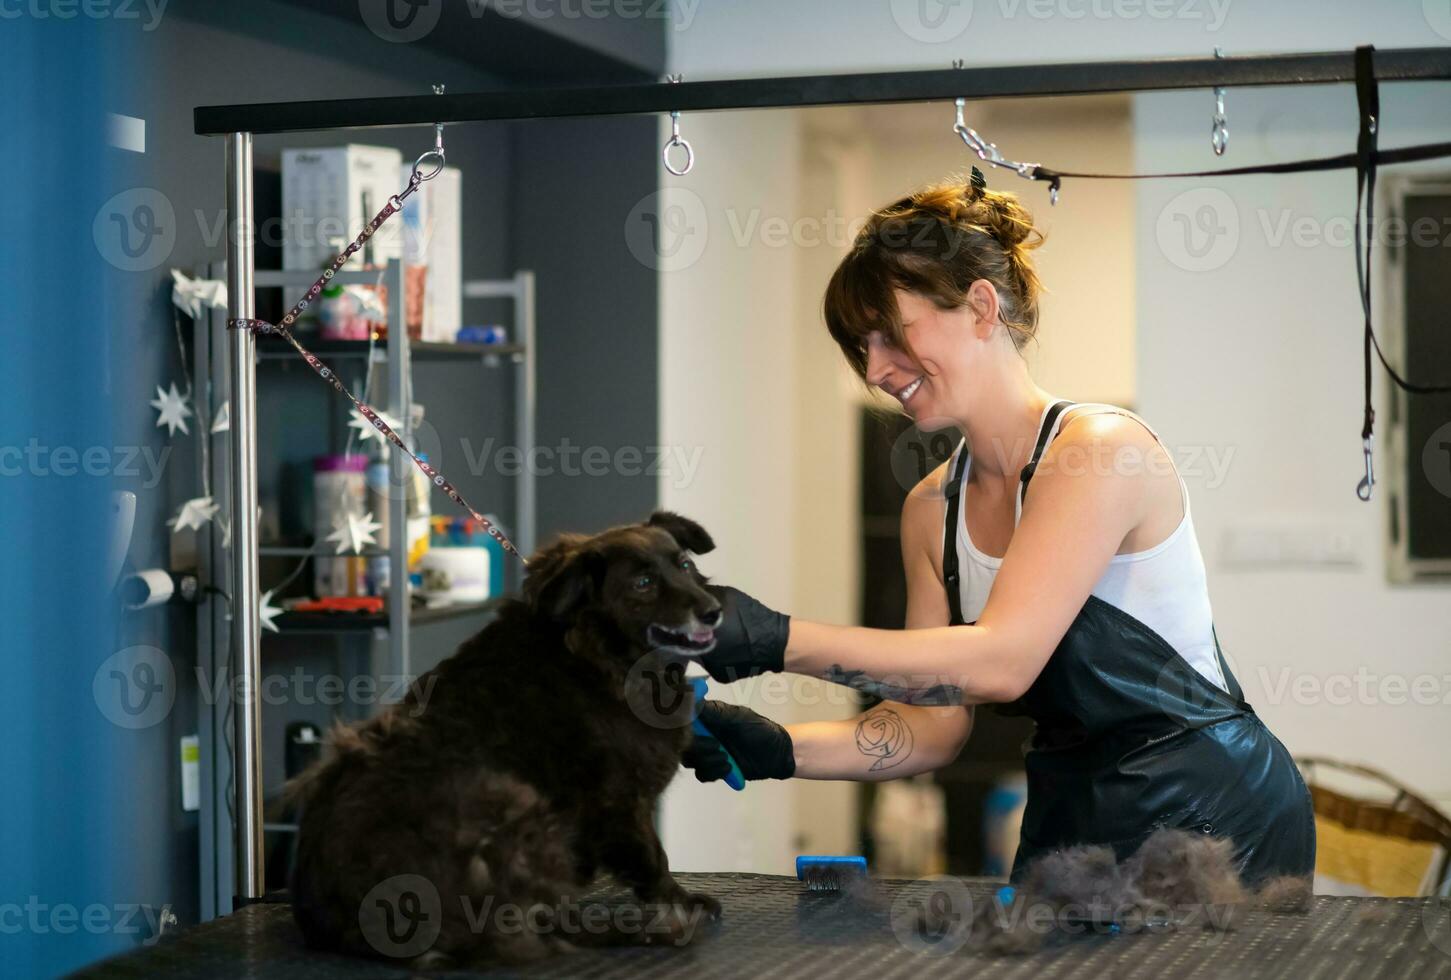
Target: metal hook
[(990, 152), (1219, 128), (437, 152), (675, 140), (1366, 487)]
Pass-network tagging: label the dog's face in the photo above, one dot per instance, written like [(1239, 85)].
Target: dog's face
[(640, 577)]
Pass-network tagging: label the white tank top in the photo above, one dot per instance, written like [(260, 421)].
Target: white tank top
[(1163, 587)]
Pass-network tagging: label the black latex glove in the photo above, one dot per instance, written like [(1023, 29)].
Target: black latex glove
[(761, 747), (750, 640)]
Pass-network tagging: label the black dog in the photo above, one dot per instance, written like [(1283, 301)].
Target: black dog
[(459, 823)]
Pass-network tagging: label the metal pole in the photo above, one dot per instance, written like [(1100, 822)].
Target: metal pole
[(400, 473), (524, 408), (246, 637)]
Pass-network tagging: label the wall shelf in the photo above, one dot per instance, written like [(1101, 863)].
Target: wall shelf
[(277, 349), (378, 645), (320, 622)]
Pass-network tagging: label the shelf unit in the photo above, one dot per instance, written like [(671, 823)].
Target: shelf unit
[(387, 635)]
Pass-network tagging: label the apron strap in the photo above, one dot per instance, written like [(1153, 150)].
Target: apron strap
[(951, 576), (1031, 468), (1231, 683)]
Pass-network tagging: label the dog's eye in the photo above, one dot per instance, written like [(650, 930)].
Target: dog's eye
[(687, 564), (644, 582)]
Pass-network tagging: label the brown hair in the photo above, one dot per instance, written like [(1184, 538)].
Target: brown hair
[(936, 243)]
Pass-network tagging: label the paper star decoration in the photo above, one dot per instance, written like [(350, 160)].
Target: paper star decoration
[(173, 408), (192, 295), (223, 421), (367, 430), (353, 532), (193, 514), (266, 612)]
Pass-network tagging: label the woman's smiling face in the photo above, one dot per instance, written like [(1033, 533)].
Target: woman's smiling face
[(946, 343)]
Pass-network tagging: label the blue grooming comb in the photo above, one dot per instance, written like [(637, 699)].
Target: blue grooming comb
[(830, 872), (733, 779)]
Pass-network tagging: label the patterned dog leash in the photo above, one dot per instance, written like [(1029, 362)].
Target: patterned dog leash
[(394, 205)]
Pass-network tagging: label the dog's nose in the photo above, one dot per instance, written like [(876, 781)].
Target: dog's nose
[(711, 618)]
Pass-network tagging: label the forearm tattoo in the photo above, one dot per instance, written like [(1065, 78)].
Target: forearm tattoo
[(885, 737), (937, 694)]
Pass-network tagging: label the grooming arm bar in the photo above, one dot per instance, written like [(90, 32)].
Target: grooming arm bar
[(1083, 78)]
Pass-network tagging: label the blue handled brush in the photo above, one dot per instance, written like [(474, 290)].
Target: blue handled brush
[(733, 779), (830, 872)]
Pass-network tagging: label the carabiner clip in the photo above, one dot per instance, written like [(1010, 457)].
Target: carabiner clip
[(1366, 487)]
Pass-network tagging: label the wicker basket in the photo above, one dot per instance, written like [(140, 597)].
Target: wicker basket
[(1394, 847)]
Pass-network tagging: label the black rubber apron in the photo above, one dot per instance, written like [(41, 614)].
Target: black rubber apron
[(1130, 737)]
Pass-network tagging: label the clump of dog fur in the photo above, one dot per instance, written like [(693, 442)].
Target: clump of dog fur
[(1176, 879)]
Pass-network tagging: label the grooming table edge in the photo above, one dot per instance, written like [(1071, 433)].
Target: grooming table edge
[(771, 927)]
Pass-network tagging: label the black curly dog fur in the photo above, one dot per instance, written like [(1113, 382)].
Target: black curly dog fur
[(458, 824)]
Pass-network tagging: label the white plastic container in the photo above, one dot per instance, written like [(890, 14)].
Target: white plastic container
[(333, 191), (339, 488)]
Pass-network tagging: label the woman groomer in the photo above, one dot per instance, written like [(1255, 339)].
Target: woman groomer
[(1082, 603)]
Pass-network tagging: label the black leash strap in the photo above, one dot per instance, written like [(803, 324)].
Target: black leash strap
[(951, 576), (1341, 161), (1367, 95)]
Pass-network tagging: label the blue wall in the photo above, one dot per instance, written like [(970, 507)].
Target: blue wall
[(62, 765), (92, 812)]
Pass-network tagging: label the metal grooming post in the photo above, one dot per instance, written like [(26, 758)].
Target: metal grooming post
[(524, 407), (246, 640), (400, 475)]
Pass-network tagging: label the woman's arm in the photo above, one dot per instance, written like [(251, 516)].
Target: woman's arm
[(888, 742), (891, 741), (1083, 503)]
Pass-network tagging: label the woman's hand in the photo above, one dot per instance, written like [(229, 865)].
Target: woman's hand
[(760, 747), (750, 640)]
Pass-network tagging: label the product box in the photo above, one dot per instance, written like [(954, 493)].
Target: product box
[(433, 237), (330, 193)]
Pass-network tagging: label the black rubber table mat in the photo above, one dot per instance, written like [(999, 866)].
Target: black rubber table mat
[(772, 927)]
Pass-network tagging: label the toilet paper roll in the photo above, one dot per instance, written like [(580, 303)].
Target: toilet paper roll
[(145, 589)]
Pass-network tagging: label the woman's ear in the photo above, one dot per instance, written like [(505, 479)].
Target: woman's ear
[(560, 577), (982, 299), (688, 534)]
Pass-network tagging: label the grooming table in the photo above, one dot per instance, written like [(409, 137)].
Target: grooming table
[(772, 927)]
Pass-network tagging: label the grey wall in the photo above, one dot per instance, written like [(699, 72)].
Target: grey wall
[(578, 181)]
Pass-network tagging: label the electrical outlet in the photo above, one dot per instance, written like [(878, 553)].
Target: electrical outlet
[(1289, 545)]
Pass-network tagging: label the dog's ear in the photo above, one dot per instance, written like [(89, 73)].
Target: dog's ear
[(688, 534), (560, 577)]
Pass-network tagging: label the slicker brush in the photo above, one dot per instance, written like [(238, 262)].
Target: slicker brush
[(830, 872)]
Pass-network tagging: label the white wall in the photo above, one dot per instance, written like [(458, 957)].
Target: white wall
[(1259, 360), (741, 38), (728, 373)]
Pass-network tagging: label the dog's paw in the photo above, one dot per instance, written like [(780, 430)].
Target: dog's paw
[(701, 903), (680, 922)]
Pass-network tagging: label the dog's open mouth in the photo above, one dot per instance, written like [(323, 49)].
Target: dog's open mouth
[(689, 642)]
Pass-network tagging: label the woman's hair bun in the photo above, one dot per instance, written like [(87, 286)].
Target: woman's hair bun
[(1005, 216), (935, 242)]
